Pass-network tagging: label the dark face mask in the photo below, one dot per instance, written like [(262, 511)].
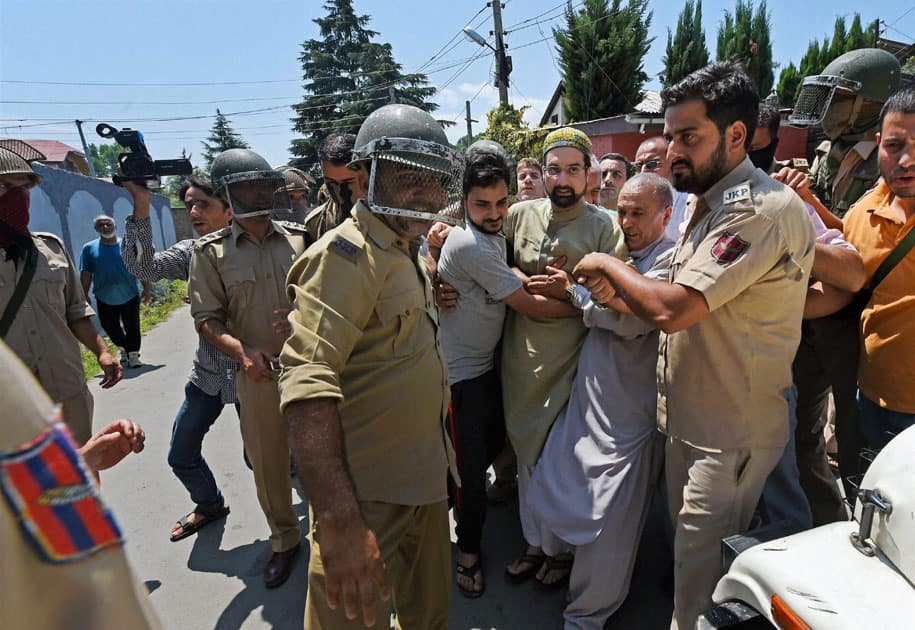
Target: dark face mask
[(342, 195), (14, 214), (762, 158)]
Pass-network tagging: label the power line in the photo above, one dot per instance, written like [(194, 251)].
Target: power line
[(896, 21)]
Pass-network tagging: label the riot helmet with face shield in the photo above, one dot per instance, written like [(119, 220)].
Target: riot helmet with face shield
[(413, 171), (248, 184), (845, 99)]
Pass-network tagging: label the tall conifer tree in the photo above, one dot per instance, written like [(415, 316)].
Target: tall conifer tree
[(346, 76), (686, 49), (601, 52)]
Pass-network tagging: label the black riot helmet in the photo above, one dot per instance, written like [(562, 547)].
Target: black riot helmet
[(248, 183), (413, 170)]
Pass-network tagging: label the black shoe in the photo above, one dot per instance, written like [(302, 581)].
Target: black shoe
[(279, 567)]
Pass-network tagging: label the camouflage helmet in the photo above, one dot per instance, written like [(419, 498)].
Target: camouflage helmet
[(411, 139), (248, 183), (866, 74), (296, 180), (11, 163)]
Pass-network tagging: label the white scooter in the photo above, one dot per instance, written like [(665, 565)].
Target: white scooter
[(857, 574)]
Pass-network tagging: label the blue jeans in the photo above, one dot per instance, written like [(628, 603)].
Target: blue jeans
[(783, 499), (194, 419), (879, 424)]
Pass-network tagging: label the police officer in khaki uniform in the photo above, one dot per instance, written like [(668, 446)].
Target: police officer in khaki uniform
[(298, 186), (364, 387), (341, 184), (731, 319), (237, 292), (63, 560), (43, 320)]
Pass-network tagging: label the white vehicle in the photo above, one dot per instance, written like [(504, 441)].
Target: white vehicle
[(854, 574)]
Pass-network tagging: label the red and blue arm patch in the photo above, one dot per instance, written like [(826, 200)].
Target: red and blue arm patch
[(55, 499), (728, 248)]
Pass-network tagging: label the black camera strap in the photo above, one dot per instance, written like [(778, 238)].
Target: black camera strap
[(22, 285)]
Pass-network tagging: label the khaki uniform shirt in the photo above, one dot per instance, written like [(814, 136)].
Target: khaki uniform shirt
[(365, 331), (840, 179), (321, 219), (722, 381), (240, 281), (40, 335), (540, 355), (96, 590)]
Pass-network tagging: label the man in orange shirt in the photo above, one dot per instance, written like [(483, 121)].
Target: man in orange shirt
[(876, 225)]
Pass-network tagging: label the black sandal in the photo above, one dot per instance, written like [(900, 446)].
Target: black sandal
[(189, 527), (471, 572)]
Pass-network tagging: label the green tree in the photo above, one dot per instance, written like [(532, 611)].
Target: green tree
[(745, 36), (222, 137), (104, 158), (819, 55), (506, 125), (346, 76), (686, 49), (601, 51)]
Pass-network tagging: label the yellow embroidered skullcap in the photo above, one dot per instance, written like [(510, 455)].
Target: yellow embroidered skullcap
[(567, 137)]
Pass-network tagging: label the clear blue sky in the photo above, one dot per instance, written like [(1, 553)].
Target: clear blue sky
[(200, 42)]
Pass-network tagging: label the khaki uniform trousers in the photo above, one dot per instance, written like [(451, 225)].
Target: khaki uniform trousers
[(263, 431), (711, 496), (415, 546), (78, 415)]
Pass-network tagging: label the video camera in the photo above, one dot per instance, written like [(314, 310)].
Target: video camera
[(137, 165)]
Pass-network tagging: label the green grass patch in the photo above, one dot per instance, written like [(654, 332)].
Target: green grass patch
[(167, 295)]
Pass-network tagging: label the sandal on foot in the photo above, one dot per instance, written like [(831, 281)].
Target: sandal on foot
[(189, 527), (471, 572), (562, 563), (536, 560)]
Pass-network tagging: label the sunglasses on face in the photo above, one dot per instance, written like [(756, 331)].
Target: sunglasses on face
[(650, 165)]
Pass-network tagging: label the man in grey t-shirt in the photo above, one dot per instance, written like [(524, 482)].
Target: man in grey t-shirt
[(473, 261)]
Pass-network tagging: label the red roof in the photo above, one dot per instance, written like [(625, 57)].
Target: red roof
[(54, 151)]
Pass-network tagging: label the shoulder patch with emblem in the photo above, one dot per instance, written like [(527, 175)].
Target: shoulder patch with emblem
[(345, 248), (740, 192), (203, 241), (728, 248), (54, 499)]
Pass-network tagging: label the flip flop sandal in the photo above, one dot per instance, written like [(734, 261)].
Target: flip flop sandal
[(189, 527), (535, 560), (558, 563), (471, 572)]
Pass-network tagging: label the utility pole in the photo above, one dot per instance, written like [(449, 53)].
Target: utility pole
[(469, 120), (876, 31), (502, 62), (79, 128), (391, 98)]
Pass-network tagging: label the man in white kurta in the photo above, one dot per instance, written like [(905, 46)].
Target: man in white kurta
[(593, 483)]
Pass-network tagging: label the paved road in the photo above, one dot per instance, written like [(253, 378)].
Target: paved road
[(213, 580)]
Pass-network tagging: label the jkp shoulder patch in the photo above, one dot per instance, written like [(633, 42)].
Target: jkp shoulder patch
[(728, 248), (56, 502), (345, 248), (740, 192)]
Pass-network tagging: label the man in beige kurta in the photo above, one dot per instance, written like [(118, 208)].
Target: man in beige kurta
[(540, 355)]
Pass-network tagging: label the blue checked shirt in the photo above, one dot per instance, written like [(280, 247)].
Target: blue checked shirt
[(213, 371)]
